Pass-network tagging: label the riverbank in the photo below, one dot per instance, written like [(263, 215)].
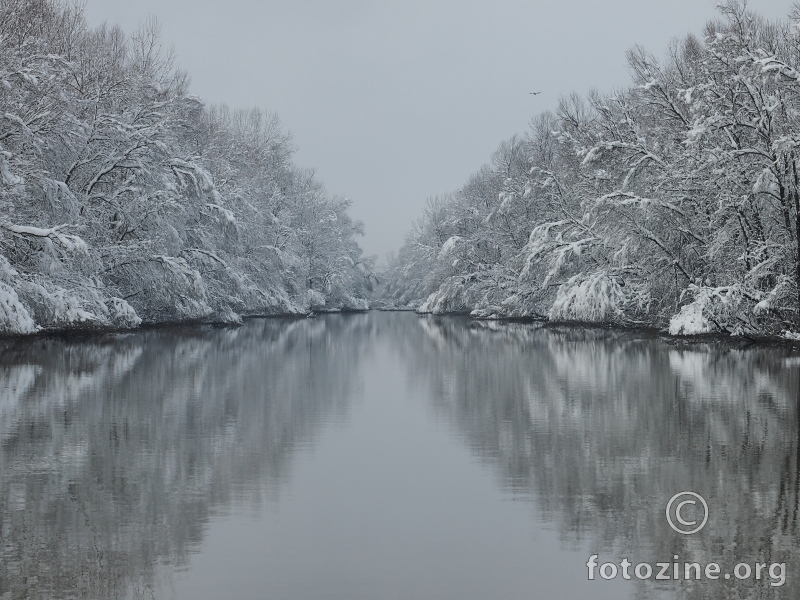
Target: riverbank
[(729, 340), (639, 331), (91, 329)]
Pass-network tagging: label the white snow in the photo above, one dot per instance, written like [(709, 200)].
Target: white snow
[(123, 313), (5, 171), (227, 214), (66, 242), (595, 299), (14, 318), (315, 298), (449, 245), (690, 320)]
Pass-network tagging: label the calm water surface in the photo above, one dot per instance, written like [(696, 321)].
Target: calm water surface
[(389, 456)]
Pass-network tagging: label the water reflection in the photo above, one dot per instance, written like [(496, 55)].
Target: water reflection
[(114, 453), (117, 452), (603, 427)]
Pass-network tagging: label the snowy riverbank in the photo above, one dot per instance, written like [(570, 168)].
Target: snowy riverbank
[(672, 203), (125, 200)]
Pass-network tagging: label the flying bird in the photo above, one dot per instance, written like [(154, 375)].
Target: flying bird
[(534, 93)]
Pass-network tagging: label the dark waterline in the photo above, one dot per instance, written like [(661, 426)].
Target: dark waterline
[(384, 455)]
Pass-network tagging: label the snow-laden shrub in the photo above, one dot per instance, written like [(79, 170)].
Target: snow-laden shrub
[(489, 313), (54, 306), (448, 299), (226, 315), (727, 309), (460, 295), (123, 314), (166, 288), (690, 320), (14, 318), (353, 303), (316, 300), (596, 298), (68, 308)]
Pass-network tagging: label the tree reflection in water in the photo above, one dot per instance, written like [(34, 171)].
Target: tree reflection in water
[(116, 451), (602, 427)]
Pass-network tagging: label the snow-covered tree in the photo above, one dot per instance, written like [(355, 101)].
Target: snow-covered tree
[(123, 198), (674, 202)]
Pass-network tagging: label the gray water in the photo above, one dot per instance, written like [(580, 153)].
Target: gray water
[(384, 455)]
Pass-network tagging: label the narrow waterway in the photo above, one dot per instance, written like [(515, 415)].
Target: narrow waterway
[(388, 456)]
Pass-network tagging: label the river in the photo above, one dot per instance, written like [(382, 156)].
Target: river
[(392, 456)]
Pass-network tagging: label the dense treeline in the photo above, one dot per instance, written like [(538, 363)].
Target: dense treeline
[(124, 199), (674, 202)]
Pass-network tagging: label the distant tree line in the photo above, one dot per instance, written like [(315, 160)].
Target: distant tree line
[(124, 199), (674, 202)]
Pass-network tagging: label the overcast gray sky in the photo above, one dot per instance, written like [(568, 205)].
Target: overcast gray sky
[(393, 101)]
